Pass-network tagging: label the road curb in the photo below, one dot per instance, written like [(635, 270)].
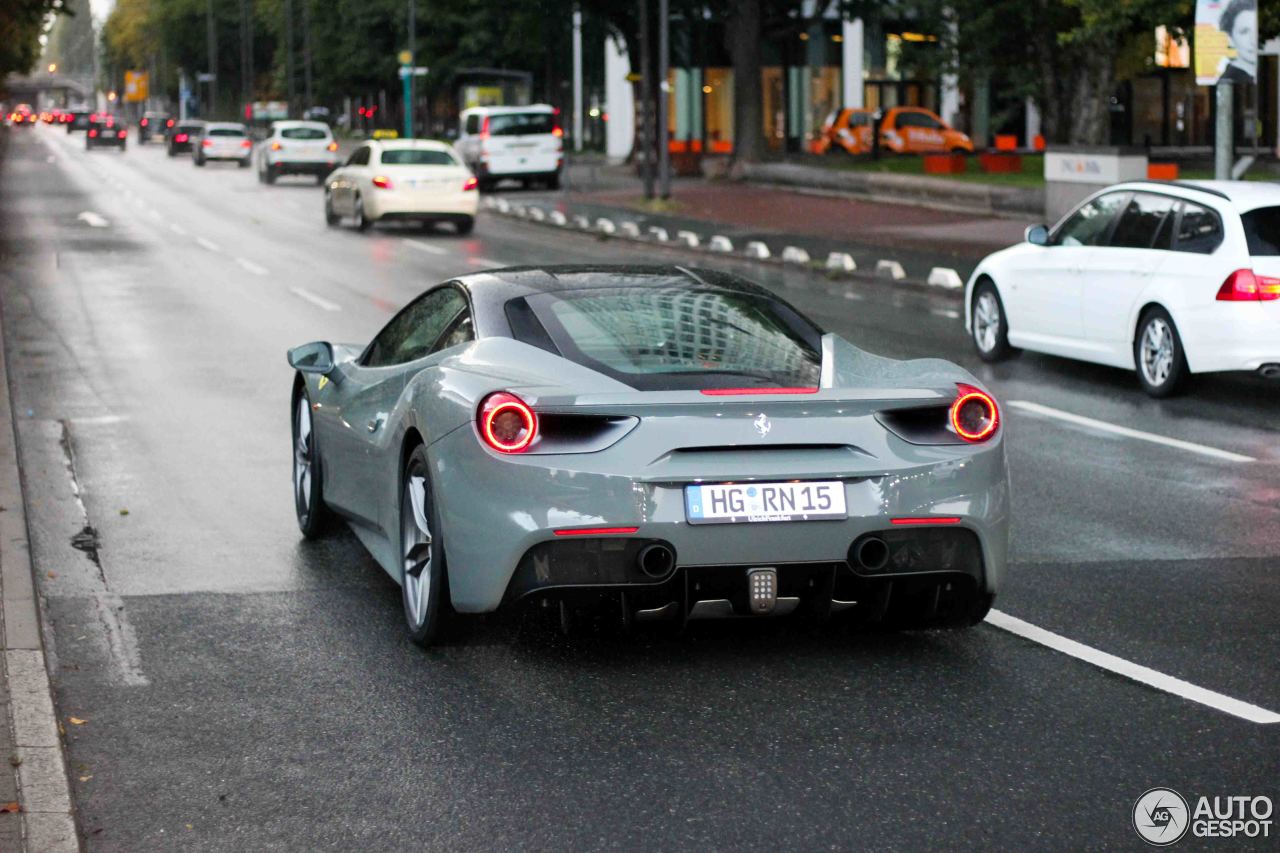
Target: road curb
[(44, 791), (939, 280)]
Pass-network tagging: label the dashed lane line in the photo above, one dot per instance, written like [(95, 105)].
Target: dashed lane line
[(256, 269), (426, 247), (318, 301), (206, 243), (1129, 669), (1128, 432), (178, 229)]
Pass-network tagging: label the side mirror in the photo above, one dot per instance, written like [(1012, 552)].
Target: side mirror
[(314, 357), (1037, 235)]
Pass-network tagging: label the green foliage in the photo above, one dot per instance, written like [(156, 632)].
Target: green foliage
[(21, 23)]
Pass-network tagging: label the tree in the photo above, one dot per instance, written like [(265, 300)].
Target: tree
[(21, 25)]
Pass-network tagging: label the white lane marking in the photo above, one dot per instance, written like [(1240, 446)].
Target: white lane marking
[(1134, 671), (92, 219), (426, 247), (1080, 420), (208, 244), (256, 269), (178, 229), (318, 301), (483, 262)]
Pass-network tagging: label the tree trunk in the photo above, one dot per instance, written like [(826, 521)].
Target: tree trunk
[(1092, 84), (743, 34)]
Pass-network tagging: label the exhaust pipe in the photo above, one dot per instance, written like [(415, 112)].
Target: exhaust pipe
[(871, 553), (656, 560), (1269, 371)]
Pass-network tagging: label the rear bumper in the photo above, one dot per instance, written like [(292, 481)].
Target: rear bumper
[(532, 171), (397, 205), (506, 547), (1231, 336)]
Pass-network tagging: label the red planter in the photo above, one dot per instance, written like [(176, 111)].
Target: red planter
[(997, 163), (944, 164)]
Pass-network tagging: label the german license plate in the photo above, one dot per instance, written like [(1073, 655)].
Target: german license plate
[(752, 502)]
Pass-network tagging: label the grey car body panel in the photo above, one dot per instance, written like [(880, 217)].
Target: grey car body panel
[(494, 507)]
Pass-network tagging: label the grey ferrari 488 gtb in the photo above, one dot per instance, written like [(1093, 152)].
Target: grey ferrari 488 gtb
[(658, 442)]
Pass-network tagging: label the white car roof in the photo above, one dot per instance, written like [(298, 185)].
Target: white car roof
[(285, 124), (427, 144), (531, 108), (1243, 196)]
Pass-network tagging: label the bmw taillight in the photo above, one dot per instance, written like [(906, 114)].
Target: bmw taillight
[(248, 143), (470, 184), (1247, 286), (974, 415), (382, 182), (208, 143), (506, 423), (484, 128), (557, 131)]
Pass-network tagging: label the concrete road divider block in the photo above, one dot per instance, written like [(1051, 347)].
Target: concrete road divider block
[(537, 214), (945, 277), (606, 226), (688, 238), (490, 202), (720, 243), (795, 255), (841, 262), (890, 269), (555, 217), (629, 229), (520, 210), (503, 205), (580, 221), (757, 249), (658, 233)]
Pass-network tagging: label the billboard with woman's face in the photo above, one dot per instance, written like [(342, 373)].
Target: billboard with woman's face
[(1226, 39)]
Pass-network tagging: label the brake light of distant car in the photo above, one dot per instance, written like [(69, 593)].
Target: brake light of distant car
[(120, 134), (1248, 286), (180, 137), (506, 422), (247, 143), (144, 122), (470, 184), (208, 143), (382, 182), (557, 131), (92, 132), (974, 414), (169, 123), (332, 146), (93, 116)]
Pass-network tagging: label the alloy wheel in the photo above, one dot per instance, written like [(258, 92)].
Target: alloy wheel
[(986, 321), (416, 548), (1156, 352), (302, 458)]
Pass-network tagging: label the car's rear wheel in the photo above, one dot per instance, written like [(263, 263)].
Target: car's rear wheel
[(1158, 354), (269, 174), (330, 218), (423, 576), (553, 182), (308, 499), (989, 327), (244, 163), (465, 226), (198, 160), (362, 222)]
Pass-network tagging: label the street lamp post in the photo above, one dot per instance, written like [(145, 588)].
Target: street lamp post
[(212, 45)]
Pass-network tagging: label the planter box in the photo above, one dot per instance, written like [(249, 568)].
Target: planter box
[(996, 163), (1162, 171), (1006, 142), (944, 164)]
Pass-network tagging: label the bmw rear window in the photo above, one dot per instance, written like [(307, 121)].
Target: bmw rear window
[(678, 337), (1262, 231)]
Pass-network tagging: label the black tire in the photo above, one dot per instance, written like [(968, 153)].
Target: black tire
[(320, 176), (427, 615), (198, 160), (269, 175), (991, 344), (171, 152), (553, 182), (362, 222), (313, 515), (464, 226), (244, 164), (330, 218), (1161, 373)]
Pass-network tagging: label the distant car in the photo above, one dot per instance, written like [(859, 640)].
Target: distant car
[(525, 144), (105, 132), (23, 116), (1165, 279), (223, 140), (182, 137), (655, 443), (402, 180), (80, 120), (153, 123), (903, 130), (297, 148)]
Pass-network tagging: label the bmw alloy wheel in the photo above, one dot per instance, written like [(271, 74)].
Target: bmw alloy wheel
[(1157, 352), (986, 321)]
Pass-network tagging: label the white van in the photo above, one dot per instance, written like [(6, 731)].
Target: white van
[(521, 143)]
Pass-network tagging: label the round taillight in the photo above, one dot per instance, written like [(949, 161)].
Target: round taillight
[(506, 423), (974, 415)]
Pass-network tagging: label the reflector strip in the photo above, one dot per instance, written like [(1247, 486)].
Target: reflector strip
[(950, 519), (595, 531), (729, 392)]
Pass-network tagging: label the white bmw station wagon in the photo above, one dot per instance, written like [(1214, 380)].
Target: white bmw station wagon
[(1163, 278)]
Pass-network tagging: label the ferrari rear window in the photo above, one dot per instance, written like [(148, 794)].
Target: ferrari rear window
[(674, 338)]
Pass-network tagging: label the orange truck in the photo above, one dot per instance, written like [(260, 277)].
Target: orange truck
[(903, 130)]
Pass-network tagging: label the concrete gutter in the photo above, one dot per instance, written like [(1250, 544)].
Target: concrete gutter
[(44, 791)]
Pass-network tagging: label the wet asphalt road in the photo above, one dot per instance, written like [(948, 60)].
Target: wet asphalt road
[(245, 690)]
